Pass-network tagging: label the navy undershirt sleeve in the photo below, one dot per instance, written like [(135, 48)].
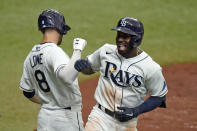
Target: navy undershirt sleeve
[(151, 103), (29, 94)]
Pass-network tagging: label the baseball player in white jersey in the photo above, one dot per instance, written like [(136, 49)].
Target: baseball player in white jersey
[(49, 77), (127, 75)]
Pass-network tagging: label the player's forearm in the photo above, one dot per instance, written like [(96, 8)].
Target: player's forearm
[(68, 74), (150, 104), (32, 96), (35, 99)]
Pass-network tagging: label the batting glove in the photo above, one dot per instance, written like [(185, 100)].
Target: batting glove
[(79, 44), (81, 64), (126, 114)]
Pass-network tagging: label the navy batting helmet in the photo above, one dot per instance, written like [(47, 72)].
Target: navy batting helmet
[(53, 19), (132, 26)]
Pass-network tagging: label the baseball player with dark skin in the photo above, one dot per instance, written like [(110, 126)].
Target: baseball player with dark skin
[(127, 75), (50, 79)]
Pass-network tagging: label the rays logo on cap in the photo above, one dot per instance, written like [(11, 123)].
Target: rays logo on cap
[(123, 22)]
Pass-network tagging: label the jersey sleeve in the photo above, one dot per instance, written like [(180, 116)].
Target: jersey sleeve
[(156, 84), (94, 60), (57, 59), (68, 73), (25, 83)]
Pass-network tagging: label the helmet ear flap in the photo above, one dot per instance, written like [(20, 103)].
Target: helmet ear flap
[(135, 40)]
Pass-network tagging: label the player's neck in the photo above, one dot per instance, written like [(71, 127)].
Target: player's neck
[(51, 36), (134, 52)]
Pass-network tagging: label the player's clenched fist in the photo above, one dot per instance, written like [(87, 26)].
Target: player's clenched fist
[(79, 44), (81, 64)]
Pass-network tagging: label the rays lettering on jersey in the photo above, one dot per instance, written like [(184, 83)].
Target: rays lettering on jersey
[(122, 78), (36, 59)]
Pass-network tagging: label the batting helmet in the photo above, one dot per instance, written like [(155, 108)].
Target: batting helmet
[(53, 19), (132, 26)]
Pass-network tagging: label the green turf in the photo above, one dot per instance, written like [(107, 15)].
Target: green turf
[(170, 38)]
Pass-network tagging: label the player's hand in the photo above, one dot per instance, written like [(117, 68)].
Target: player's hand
[(81, 64), (126, 114), (79, 44)]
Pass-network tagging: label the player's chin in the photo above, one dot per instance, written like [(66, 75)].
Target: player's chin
[(122, 52)]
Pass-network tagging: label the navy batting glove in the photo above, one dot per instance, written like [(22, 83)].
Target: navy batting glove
[(126, 114), (81, 64)]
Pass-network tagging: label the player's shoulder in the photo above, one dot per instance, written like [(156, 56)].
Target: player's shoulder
[(149, 65), (48, 47), (108, 47), (151, 60)]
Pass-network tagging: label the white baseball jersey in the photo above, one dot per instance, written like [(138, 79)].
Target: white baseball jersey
[(40, 73), (125, 82)]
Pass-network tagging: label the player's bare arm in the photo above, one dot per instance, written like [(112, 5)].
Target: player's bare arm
[(32, 97), (35, 99)]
